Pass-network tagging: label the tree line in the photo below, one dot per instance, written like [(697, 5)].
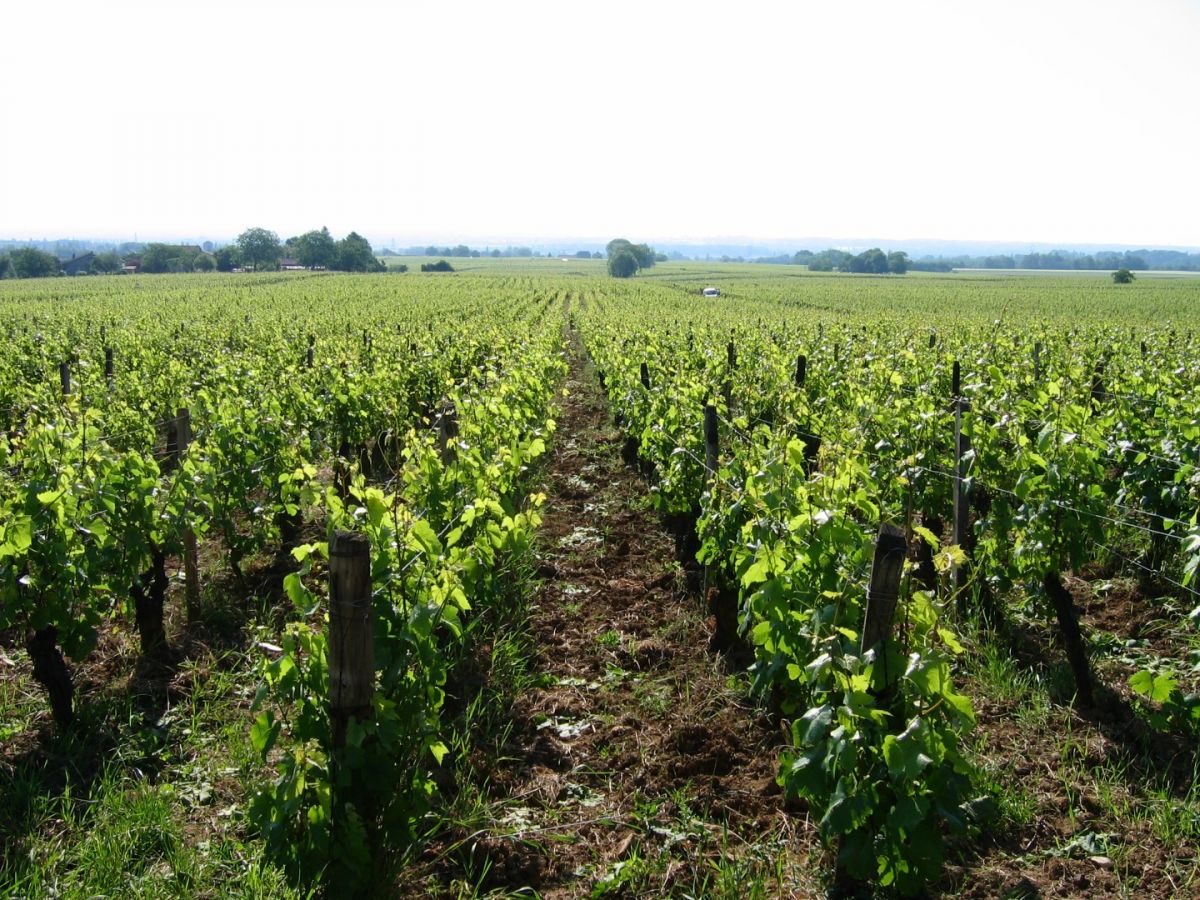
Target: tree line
[(255, 248), (869, 262)]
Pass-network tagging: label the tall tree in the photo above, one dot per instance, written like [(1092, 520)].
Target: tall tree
[(29, 262), (317, 249), (355, 255), (622, 263), (259, 247)]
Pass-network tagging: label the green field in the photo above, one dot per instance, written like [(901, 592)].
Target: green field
[(160, 741)]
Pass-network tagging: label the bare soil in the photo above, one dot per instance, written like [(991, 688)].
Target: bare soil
[(635, 748)]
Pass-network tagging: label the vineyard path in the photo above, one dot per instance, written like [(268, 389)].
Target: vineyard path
[(635, 762)]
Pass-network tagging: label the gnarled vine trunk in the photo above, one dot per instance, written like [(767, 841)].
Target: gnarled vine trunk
[(51, 672)]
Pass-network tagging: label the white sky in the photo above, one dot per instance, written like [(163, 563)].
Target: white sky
[(1026, 120)]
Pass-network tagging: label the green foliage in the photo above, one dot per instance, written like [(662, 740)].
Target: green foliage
[(1168, 708), (106, 263), (1122, 276), (30, 263), (440, 266), (259, 247), (622, 264), (354, 255), (626, 258), (317, 249)]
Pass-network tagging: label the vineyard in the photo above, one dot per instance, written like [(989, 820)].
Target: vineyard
[(526, 579)]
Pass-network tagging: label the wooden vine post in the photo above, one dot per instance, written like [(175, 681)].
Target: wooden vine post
[(447, 430), (721, 601), (883, 593), (351, 632), (109, 368), (727, 388), (191, 556), (801, 370), (64, 378), (644, 376), (963, 537)]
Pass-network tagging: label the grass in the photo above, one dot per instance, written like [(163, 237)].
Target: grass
[(123, 805)]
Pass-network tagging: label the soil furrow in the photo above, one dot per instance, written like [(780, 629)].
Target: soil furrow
[(634, 766)]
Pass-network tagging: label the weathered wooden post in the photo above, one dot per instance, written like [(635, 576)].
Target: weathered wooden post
[(722, 601), (64, 378), (191, 556), (883, 590), (962, 501), (109, 367), (801, 370), (351, 632), (710, 440), (1098, 392), (812, 448), (644, 376), (447, 423), (955, 381)]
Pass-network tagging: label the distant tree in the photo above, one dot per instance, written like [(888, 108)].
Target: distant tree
[(496, 254), (106, 263), (803, 258), (643, 256), (32, 263), (354, 254), (259, 247), (597, 255), (1122, 276), (5, 266), (227, 258), (204, 263), (1132, 261), (398, 269), (583, 254), (440, 266), (317, 249), (157, 258), (622, 263), (897, 262), (460, 250), (207, 246)]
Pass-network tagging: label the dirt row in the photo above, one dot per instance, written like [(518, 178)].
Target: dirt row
[(636, 761)]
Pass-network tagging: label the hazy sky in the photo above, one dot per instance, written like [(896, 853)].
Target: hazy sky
[(497, 121)]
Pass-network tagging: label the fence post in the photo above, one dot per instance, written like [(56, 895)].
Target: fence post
[(1098, 391), (883, 591), (447, 430), (191, 561), (801, 369), (64, 377), (710, 440), (351, 632), (962, 502), (721, 601), (956, 381)]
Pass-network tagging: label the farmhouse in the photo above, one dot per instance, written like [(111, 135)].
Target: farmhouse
[(78, 265)]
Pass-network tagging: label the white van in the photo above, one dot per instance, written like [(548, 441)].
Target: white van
[(711, 292)]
